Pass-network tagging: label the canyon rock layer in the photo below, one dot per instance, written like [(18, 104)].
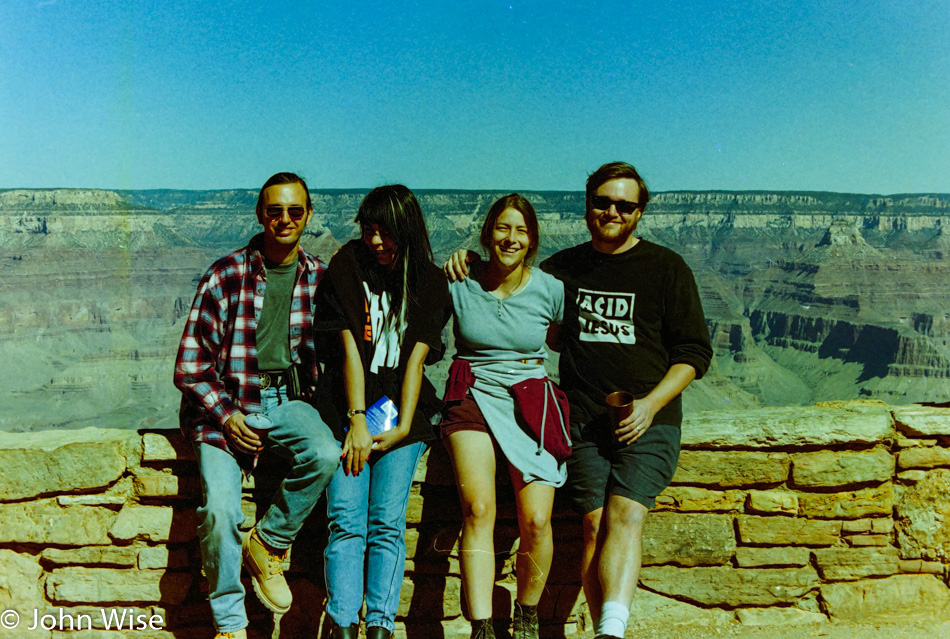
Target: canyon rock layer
[(809, 296)]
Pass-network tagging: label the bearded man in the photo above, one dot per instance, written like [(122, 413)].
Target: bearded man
[(633, 322)]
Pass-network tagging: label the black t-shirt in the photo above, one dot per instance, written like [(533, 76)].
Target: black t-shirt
[(341, 304), (628, 317)]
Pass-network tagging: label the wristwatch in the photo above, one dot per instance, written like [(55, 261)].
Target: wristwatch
[(353, 412)]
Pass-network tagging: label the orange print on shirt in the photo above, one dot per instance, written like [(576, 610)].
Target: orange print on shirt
[(367, 323)]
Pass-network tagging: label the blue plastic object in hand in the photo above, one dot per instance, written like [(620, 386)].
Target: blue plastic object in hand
[(382, 416)]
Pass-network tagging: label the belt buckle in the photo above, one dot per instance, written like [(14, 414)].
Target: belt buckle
[(265, 381)]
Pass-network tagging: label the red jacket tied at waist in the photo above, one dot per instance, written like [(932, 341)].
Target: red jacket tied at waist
[(459, 381)]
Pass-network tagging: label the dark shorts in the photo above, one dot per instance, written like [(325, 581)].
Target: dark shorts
[(600, 466), (463, 415)]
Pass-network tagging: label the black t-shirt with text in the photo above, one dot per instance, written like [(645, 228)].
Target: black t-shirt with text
[(628, 317)]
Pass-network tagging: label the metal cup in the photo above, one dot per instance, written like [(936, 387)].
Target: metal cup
[(260, 424), (619, 406)]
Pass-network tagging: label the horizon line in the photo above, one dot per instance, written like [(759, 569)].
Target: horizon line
[(314, 189)]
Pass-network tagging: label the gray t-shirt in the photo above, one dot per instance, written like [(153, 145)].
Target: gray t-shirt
[(494, 335), (490, 329)]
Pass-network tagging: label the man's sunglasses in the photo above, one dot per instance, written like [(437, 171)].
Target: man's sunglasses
[(602, 203), (277, 212)]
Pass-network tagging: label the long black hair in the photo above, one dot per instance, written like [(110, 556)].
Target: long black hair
[(395, 210)]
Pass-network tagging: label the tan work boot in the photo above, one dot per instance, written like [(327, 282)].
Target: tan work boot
[(266, 574), (234, 634)]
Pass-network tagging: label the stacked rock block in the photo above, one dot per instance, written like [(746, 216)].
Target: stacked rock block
[(799, 515), (91, 535), (776, 516)]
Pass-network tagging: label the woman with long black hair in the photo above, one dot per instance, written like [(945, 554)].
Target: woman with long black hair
[(388, 303)]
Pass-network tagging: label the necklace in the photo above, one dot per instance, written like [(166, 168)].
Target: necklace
[(501, 294), (517, 286)]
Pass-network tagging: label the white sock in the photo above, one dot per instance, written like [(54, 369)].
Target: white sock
[(613, 619)]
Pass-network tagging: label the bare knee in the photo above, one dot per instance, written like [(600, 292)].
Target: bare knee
[(534, 526), (626, 517), (479, 512)]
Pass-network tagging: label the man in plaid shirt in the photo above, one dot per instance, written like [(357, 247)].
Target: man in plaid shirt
[(247, 353)]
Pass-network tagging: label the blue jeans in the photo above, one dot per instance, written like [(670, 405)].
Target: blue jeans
[(298, 435), (367, 518)]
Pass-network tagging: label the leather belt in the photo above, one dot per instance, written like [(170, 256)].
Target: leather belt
[(273, 379), (536, 361)]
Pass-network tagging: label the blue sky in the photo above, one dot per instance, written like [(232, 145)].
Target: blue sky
[(799, 95)]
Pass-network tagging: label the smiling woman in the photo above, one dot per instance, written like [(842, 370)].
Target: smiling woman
[(511, 237), (503, 315)]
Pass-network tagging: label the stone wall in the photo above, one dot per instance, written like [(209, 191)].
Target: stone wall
[(794, 515)]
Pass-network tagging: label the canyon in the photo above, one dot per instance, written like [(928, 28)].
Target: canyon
[(809, 297)]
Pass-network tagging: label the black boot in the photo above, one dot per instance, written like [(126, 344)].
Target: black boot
[(524, 624), (346, 632), (482, 629), (378, 632)]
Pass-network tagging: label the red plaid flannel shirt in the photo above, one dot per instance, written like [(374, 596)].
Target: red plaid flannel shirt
[(216, 368)]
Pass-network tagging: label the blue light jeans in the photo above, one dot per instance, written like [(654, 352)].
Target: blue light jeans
[(298, 435), (367, 518)]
